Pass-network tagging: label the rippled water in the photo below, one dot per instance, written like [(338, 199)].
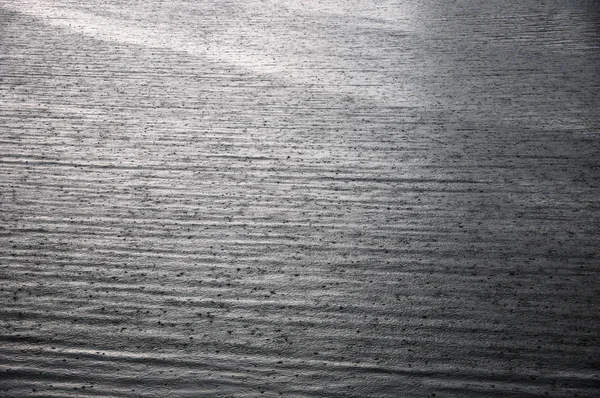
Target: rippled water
[(299, 198)]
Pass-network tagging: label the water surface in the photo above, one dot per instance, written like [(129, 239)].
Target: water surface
[(317, 198)]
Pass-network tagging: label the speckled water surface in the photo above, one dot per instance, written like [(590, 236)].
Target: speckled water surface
[(392, 198)]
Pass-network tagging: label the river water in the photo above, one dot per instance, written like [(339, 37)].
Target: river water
[(299, 198)]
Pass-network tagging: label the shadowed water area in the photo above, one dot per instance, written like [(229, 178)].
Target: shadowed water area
[(299, 198)]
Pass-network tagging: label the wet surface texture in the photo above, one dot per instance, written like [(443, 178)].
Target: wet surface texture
[(280, 198)]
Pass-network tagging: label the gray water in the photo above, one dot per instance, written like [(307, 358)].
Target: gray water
[(299, 198)]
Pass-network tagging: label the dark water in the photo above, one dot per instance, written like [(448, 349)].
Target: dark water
[(299, 198)]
